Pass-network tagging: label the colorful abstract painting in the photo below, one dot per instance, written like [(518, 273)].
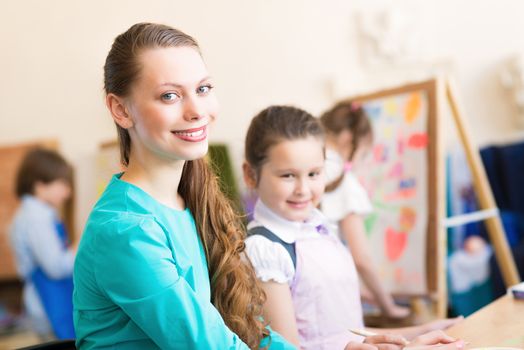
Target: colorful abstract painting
[(395, 175)]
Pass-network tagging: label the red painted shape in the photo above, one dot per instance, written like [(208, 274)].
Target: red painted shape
[(418, 140), (395, 243)]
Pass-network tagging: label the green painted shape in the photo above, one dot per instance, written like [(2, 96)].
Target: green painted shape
[(369, 223)]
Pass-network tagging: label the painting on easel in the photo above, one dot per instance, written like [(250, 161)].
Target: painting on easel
[(397, 177), (405, 180)]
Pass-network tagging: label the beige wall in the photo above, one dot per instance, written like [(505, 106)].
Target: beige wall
[(260, 52)]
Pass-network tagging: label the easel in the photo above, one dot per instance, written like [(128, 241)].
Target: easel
[(441, 92), (488, 212)]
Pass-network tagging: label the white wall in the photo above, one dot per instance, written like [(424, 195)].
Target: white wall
[(260, 52)]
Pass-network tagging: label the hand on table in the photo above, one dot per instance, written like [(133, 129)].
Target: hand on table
[(379, 342), (442, 324), (435, 340), (397, 312)]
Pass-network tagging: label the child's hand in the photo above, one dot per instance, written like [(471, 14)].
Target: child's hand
[(397, 312), (442, 323), (437, 340), (380, 342)]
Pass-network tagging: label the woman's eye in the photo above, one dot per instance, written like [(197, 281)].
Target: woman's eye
[(204, 89), (169, 97), (314, 174), (286, 176)]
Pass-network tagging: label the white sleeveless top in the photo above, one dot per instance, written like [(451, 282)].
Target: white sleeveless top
[(349, 197)]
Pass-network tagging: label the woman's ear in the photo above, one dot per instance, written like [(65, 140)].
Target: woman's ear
[(118, 110), (249, 176)]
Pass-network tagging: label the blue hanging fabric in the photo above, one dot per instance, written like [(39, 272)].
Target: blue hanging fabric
[(57, 296)]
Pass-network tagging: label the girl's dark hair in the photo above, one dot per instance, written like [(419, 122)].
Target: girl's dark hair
[(41, 165), (235, 291), (276, 124), (349, 116)]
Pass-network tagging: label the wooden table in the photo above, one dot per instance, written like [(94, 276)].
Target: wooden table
[(500, 323)]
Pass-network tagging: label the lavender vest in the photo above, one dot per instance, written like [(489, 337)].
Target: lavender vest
[(325, 293)]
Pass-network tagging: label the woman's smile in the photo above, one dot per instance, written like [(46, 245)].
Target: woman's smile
[(192, 135)]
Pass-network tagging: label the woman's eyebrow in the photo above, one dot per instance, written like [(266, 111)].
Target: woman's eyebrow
[(180, 85)]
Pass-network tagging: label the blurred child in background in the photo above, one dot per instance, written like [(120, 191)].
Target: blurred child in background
[(349, 137), (43, 253)]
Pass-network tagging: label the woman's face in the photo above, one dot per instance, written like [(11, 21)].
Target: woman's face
[(171, 105)]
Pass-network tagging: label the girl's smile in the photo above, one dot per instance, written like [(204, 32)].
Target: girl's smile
[(298, 204)]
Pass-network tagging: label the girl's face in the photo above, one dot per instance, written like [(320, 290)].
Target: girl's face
[(54, 193), (361, 155), (291, 181), (171, 105)]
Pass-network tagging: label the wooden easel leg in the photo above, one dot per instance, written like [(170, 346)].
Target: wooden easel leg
[(483, 192), (440, 301), (426, 309)]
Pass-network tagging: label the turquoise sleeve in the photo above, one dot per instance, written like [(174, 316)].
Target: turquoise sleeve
[(137, 271), (277, 342)]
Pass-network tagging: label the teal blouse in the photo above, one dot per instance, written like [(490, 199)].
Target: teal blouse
[(141, 279)]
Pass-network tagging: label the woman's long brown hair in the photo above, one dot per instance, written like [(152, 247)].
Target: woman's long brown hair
[(235, 291)]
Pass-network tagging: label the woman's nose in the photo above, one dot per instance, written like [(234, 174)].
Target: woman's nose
[(193, 109)]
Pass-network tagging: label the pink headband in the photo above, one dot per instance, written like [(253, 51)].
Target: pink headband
[(355, 106)]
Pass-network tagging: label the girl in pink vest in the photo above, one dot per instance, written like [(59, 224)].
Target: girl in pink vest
[(308, 275)]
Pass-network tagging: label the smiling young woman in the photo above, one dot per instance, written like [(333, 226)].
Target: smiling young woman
[(159, 264)]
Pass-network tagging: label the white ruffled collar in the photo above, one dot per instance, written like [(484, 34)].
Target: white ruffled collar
[(287, 230)]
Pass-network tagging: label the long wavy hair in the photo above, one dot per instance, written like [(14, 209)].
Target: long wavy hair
[(235, 291)]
